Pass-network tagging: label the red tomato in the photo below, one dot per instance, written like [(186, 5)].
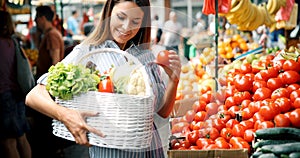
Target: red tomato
[(206, 97), (203, 142), (262, 93), (272, 72), (293, 87), (268, 112), (211, 108), (290, 77), (240, 96), (283, 103), (224, 115), (239, 143), (185, 144), (278, 64), (233, 111), (229, 102), (238, 130), (243, 83), (189, 115), (163, 58), (200, 116), (274, 83), (279, 93), (295, 94), (226, 133), (199, 105), (193, 136), (254, 106), (211, 147), (295, 118), (291, 65), (257, 116), (105, 85), (246, 113), (258, 84), (296, 103), (193, 147), (218, 124), (213, 133), (231, 123), (265, 124), (249, 135), (246, 68), (281, 120), (222, 144), (179, 127), (245, 103), (175, 144), (248, 124), (199, 125)]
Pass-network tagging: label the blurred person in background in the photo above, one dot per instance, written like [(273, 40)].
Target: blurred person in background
[(73, 25), (171, 38), (13, 122), (51, 51)]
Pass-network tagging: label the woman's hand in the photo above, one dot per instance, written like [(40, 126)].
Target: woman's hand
[(170, 61), (75, 121)]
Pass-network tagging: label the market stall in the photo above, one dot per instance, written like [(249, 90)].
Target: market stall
[(253, 105)]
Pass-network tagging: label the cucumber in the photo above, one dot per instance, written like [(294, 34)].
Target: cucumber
[(256, 154), (271, 142), (278, 133), (281, 148), (294, 155), (268, 155)]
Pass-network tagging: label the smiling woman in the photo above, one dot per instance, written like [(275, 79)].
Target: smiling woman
[(123, 25)]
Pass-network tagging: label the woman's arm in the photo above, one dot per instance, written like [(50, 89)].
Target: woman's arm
[(173, 70), (40, 100)]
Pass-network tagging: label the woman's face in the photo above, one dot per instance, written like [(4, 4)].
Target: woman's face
[(126, 20)]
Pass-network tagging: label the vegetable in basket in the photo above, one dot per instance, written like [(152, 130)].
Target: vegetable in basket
[(64, 81), (128, 79)]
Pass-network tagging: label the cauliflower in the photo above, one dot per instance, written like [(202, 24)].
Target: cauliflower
[(128, 79)]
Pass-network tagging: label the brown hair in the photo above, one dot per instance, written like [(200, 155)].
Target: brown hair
[(7, 28), (102, 30)]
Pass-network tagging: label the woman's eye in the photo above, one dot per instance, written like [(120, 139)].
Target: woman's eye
[(120, 17), (136, 22)]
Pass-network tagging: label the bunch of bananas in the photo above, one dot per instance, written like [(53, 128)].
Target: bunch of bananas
[(274, 5), (249, 16)]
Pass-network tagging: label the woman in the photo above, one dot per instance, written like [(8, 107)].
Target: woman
[(124, 24), (13, 122)]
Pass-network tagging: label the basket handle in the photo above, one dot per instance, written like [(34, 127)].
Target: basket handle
[(126, 55)]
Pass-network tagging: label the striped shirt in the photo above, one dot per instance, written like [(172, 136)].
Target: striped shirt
[(146, 57)]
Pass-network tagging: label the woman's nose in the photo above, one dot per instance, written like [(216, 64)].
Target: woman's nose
[(126, 25)]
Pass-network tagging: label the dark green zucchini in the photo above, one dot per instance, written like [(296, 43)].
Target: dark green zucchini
[(256, 154), (278, 133), (294, 155), (271, 142), (281, 148), (268, 155)]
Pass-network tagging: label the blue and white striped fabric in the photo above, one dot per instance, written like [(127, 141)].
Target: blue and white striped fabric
[(146, 57)]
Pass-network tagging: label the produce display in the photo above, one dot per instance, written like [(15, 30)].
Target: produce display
[(258, 92)]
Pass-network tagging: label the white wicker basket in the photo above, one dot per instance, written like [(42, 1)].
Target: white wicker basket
[(126, 120)]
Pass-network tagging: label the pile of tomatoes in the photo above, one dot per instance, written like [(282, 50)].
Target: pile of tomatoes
[(251, 98)]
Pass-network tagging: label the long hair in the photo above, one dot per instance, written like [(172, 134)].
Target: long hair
[(102, 30), (7, 28)]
